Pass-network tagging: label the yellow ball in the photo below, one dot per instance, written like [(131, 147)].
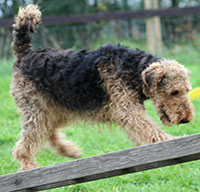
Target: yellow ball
[(195, 93)]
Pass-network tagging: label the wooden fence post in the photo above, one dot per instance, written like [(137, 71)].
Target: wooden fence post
[(153, 28)]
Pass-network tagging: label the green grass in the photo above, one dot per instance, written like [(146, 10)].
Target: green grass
[(96, 140)]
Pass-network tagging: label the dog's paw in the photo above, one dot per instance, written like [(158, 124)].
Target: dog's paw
[(69, 149), (28, 166)]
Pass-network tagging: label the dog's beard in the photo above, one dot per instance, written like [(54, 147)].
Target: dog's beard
[(164, 117)]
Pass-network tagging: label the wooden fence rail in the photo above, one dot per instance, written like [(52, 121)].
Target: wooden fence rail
[(103, 166), (95, 17)]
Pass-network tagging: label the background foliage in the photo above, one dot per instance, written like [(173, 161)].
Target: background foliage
[(175, 30)]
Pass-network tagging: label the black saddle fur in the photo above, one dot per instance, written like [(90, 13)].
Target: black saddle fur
[(72, 78)]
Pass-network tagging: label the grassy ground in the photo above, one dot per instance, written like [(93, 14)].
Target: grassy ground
[(98, 140)]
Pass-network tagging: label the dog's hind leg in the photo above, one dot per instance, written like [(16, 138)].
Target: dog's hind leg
[(32, 136), (64, 147), (35, 121)]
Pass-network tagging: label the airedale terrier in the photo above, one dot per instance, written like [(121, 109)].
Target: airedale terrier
[(55, 88)]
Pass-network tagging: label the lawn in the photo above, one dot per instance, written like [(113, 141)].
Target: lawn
[(96, 140)]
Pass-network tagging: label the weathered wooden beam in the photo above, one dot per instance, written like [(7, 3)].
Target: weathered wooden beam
[(101, 16), (103, 166)]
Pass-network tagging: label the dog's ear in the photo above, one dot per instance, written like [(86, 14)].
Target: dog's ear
[(153, 76), (148, 78)]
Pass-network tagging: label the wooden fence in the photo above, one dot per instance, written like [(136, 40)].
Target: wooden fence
[(153, 28), (100, 16), (103, 166)]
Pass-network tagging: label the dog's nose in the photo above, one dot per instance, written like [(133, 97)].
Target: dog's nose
[(184, 121)]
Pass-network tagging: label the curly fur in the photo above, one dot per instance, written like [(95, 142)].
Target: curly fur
[(55, 88), (71, 77)]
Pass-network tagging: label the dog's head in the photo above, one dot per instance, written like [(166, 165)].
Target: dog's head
[(167, 83)]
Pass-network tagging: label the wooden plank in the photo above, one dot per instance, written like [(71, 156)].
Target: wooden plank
[(103, 166), (101, 16)]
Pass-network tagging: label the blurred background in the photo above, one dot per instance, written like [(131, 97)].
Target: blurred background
[(89, 23)]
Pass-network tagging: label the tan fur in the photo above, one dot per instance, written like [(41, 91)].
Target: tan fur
[(25, 16), (29, 17), (125, 110), (174, 77)]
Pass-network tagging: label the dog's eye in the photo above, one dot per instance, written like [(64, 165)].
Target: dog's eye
[(175, 93)]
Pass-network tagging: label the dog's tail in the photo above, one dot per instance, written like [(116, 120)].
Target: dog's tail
[(27, 20)]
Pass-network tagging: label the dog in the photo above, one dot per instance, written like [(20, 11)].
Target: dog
[(54, 88)]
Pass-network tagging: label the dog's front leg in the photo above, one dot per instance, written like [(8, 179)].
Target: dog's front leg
[(126, 111), (139, 127)]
